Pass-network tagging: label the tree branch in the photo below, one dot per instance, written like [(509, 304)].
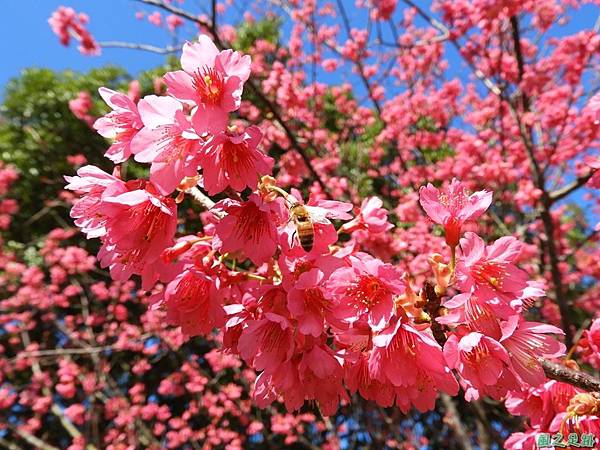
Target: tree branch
[(214, 15), (358, 62), (144, 47), (546, 200), (204, 201), (575, 378), (432, 308), (175, 10), (569, 188), (291, 136), (31, 439)]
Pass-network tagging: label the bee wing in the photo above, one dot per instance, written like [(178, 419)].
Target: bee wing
[(318, 215)]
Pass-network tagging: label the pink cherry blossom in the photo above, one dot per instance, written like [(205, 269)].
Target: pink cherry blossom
[(66, 23), (212, 80), (372, 218), (589, 344), (140, 224), (248, 227), (121, 124), (80, 107), (267, 343), (174, 22), (526, 342), (594, 107), (87, 211), (233, 160), (490, 273), (155, 19), (365, 289), (412, 361), (482, 362), (193, 301), (166, 141), (453, 207), (358, 378), (315, 374), (311, 309)]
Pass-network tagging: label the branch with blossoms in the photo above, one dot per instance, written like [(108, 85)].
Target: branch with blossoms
[(303, 291), (316, 317)]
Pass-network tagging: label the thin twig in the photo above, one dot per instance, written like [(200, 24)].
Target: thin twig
[(31, 439), (546, 200), (204, 201), (175, 10), (144, 47)]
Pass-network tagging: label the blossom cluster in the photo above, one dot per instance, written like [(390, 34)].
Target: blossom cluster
[(556, 408), (67, 24), (285, 278), (109, 350), (8, 206)]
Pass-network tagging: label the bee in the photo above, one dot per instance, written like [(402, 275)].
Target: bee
[(304, 225)]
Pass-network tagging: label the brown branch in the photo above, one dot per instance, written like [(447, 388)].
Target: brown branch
[(289, 133), (86, 350), (484, 429), (563, 305), (575, 378), (569, 188), (546, 200), (358, 62), (432, 308), (60, 352), (214, 15)]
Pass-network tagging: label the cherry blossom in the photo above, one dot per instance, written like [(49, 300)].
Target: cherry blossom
[(233, 160), (366, 289), (211, 79), (453, 207), (167, 141), (121, 124)]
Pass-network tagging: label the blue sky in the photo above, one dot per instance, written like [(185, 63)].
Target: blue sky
[(28, 41)]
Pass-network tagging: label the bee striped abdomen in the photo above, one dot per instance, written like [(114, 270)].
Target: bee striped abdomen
[(306, 235), (304, 226)]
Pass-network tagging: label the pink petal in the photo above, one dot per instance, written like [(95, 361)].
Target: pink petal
[(197, 55)]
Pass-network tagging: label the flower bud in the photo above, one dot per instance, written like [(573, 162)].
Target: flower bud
[(442, 272)]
